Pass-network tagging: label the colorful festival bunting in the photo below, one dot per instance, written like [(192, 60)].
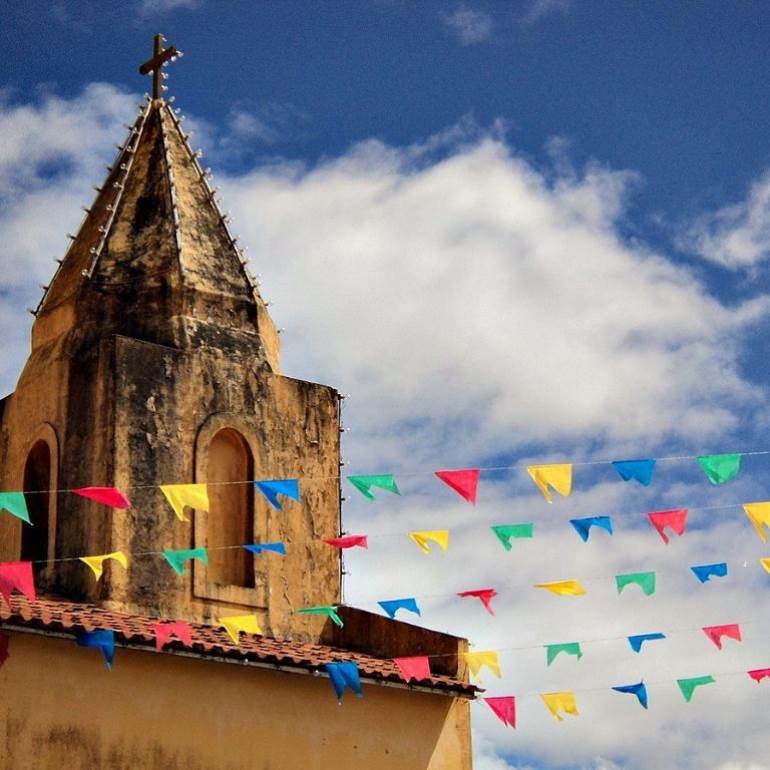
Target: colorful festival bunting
[(759, 516), (17, 576), (715, 633), (164, 631), (675, 520), (758, 674), (547, 477), (438, 536), (688, 686), (348, 541), (463, 482), (765, 563), (504, 708), (704, 572), (583, 526), (560, 701), (234, 624), (109, 496), (344, 674), (720, 468), (364, 484), (563, 587), (417, 668), (181, 496), (329, 610), (258, 548), (640, 690), (570, 648), (635, 470), (16, 504), (477, 660), (178, 558), (100, 640), (485, 595), (637, 641), (96, 563), (507, 532), (393, 605), (271, 489), (645, 581)]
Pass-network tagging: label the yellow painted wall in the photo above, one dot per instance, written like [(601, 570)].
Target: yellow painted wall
[(61, 708)]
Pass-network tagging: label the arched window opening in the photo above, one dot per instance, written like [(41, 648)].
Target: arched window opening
[(230, 519), (37, 479)]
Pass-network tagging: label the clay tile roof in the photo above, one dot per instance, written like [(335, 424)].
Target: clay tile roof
[(58, 616)]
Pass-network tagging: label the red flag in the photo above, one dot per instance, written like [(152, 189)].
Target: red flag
[(348, 541), (504, 708), (485, 594), (17, 575), (413, 668), (715, 633), (4, 641), (105, 495), (463, 482), (164, 631), (675, 519), (758, 674)]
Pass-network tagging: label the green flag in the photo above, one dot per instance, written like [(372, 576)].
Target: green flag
[(364, 484), (177, 559), (645, 580), (505, 532), (720, 468), (330, 612), (570, 648), (687, 686), (15, 504)]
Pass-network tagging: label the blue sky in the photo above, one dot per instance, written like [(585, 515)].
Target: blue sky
[(513, 231)]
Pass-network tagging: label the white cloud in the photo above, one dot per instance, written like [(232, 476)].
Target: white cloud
[(538, 9), (469, 25), (157, 7)]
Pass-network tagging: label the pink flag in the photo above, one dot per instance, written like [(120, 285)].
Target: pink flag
[(164, 631), (463, 482), (676, 520), (715, 633), (17, 575), (4, 641), (758, 674), (348, 541), (504, 708), (413, 668), (484, 594), (105, 495)]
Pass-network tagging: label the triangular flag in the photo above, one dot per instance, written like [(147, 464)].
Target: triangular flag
[(485, 595), (17, 575), (759, 516), (96, 563), (583, 526), (634, 689), (758, 674), (558, 477), (271, 489), (704, 572), (364, 484), (15, 504), (392, 606), (635, 470), (765, 563), (560, 701), (258, 548), (688, 686), (181, 496), (164, 631), (438, 536), (720, 468), (570, 648), (477, 660), (504, 708), (417, 668), (101, 640), (645, 580), (715, 633), (329, 610), (344, 674), (637, 641), (348, 541), (178, 558), (463, 482), (506, 532), (676, 520), (234, 624), (563, 587), (110, 496)]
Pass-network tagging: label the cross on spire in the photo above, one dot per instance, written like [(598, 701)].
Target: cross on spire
[(159, 58)]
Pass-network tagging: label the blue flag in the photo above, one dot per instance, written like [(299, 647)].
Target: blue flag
[(392, 606), (103, 640), (636, 470), (271, 490), (706, 571), (634, 689), (344, 674), (636, 642), (258, 548), (582, 526)]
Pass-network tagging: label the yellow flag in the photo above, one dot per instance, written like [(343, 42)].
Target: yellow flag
[(477, 660), (564, 587), (96, 563), (557, 476), (759, 516), (560, 701), (236, 623), (765, 563), (182, 496), (439, 536)]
